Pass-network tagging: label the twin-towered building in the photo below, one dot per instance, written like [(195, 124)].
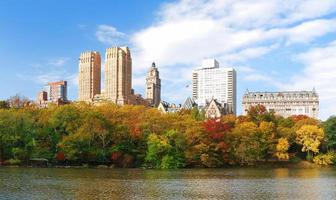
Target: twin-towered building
[(118, 79)]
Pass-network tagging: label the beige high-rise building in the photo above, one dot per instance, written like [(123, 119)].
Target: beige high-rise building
[(118, 74), (89, 75), (153, 86)]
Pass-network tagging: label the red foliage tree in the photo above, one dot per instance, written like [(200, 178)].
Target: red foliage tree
[(297, 118), (60, 156), (116, 156), (216, 129)]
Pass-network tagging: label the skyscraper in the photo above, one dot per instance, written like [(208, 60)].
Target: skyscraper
[(211, 82), (89, 75), (153, 86), (118, 74)]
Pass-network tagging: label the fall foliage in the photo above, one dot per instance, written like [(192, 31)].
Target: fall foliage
[(138, 136)]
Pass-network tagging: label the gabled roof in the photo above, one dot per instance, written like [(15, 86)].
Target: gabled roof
[(189, 103)]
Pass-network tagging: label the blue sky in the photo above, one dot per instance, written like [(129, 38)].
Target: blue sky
[(273, 44)]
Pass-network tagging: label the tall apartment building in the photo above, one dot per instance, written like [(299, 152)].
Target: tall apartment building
[(89, 75), (212, 82), (54, 92), (284, 103), (118, 74), (153, 86), (57, 91)]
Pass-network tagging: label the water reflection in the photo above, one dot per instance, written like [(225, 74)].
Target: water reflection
[(240, 183)]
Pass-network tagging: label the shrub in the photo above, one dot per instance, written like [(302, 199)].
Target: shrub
[(12, 162), (324, 159)]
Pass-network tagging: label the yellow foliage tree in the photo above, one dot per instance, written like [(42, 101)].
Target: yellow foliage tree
[(281, 149), (310, 137)]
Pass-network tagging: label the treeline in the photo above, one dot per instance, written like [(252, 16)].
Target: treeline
[(136, 136)]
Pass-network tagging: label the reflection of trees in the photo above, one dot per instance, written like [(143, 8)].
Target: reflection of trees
[(241, 183)]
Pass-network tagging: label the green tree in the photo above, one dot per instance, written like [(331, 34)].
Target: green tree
[(165, 151), (330, 132)]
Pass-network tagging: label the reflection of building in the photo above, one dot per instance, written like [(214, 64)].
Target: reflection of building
[(54, 92), (214, 109), (212, 82), (89, 75), (118, 74), (153, 86), (284, 103)]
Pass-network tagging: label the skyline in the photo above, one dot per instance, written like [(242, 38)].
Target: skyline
[(291, 47)]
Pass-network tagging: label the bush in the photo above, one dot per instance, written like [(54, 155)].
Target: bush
[(324, 159), (12, 162)]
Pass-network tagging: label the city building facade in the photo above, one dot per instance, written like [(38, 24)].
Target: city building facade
[(166, 107), (215, 109), (212, 82), (57, 91), (53, 92), (89, 77), (153, 86), (285, 103), (118, 75)]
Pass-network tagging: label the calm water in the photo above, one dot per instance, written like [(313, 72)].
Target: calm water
[(19, 183)]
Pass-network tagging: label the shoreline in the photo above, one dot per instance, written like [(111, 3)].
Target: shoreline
[(270, 165)]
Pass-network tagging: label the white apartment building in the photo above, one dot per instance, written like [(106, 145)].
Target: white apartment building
[(212, 82), (286, 103)]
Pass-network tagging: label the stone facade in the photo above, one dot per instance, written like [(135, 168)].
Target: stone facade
[(215, 110), (118, 74), (153, 86), (284, 103), (89, 75), (166, 107)]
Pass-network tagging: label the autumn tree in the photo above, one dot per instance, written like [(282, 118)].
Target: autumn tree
[(18, 101), (259, 113), (4, 104), (310, 137), (281, 149), (248, 144), (165, 151)]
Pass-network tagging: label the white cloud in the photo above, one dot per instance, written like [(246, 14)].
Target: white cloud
[(58, 62), (232, 31), (319, 72), (109, 35), (49, 71)]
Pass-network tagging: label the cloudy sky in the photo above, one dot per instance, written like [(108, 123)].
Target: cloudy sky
[(273, 44)]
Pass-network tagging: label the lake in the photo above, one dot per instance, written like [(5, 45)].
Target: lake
[(236, 183)]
